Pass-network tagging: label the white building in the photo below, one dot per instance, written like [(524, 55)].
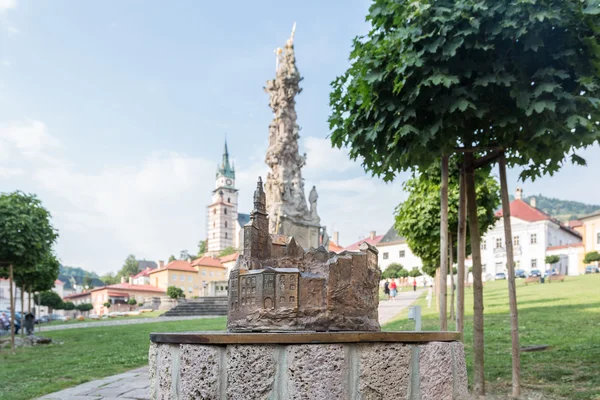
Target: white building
[(394, 249), (5, 297), (534, 232), (225, 225)]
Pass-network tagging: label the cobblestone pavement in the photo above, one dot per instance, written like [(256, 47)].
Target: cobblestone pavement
[(135, 384), (118, 322)]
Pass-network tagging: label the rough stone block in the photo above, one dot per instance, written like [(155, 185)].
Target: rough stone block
[(436, 371), (317, 372), (461, 380), (244, 364), (152, 354), (200, 370), (384, 371), (164, 365)]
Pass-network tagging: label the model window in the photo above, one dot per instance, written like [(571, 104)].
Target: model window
[(402, 253), (533, 238), (498, 243), (386, 256), (515, 240)]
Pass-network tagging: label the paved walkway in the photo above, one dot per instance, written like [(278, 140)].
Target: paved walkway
[(135, 384), (118, 322)]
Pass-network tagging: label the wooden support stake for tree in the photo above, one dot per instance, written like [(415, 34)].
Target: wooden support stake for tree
[(444, 244), (460, 252), (478, 351), (451, 269), (12, 308), (22, 311), (512, 290)]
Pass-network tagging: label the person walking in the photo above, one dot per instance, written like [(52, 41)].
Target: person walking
[(386, 289), (414, 285), (393, 290)]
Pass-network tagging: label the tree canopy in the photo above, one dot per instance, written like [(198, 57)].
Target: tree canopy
[(392, 271), (432, 76), (48, 299), (418, 217), (552, 259), (174, 292), (592, 256), (26, 234), (41, 277), (227, 251), (130, 267)]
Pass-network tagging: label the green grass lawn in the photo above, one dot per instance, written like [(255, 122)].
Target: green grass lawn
[(72, 321), (86, 354), (565, 316)]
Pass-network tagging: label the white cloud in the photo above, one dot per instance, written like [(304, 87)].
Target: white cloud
[(6, 63), (29, 139), (325, 159), (7, 5), (6, 172)]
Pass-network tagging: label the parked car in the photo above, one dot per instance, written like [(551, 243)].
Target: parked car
[(535, 272), (500, 275), (553, 272), (520, 273), (42, 320), (590, 269)]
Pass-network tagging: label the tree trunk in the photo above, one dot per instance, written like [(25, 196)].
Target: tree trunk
[(512, 291), (29, 301), (478, 352), (451, 269), (460, 253), (436, 282), (22, 311), (12, 308), (444, 244)]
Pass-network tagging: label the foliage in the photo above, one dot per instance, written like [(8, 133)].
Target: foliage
[(185, 255), (69, 305), (403, 273), (107, 304), (174, 292), (431, 76), (575, 307), (87, 281), (227, 251), (41, 277), (552, 259), (392, 271), (109, 278), (562, 209), (171, 258), (76, 271), (413, 273), (129, 268), (84, 307), (132, 302), (592, 256), (26, 234), (418, 217), (202, 245), (48, 299)]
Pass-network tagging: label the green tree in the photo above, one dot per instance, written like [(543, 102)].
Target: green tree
[(414, 273), (515, 80), (202, 245), (403, 273), (174, 292), (552, 259), (69, 305), (417, 218), (132, 302), (592, 256), (48, 299), (129, 268), (227, 251), (107, 304), (392, 271), (171, 258), (87, 281), (109, 278), (84, 307)]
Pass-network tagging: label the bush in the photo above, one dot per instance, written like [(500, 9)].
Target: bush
[(392, 271), (69, 306), (84, 307), (414, 273), (591, 257), (174, 292), (107, 304), (132, 302)]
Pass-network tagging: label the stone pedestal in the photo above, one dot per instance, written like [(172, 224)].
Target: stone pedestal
[(281, 366)]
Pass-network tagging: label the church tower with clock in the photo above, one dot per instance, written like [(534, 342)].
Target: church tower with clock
[(222, 218)]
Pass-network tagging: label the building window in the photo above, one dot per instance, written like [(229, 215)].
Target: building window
[(189, 278), (225, 235), (386, 256), (214, 210), (598, 238), (189, 290), (533, 263), (203, 272), (213, 235), (211, 274), (515, 240), (483, 245), (517, 264), (533, 238), (174, 277), (225, 211), (499, 243), (214, 224), (182, 278), (402, 253), (225, 224), (228, 200), (483, 268)]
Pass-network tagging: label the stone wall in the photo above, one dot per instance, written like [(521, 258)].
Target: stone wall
[(353, 371)]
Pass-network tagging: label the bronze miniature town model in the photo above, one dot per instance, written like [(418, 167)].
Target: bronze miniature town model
[(278, 286)]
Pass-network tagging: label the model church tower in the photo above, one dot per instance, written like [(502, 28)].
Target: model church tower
[(223, 227)]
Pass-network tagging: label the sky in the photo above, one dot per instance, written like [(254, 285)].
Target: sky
[(115, 113)]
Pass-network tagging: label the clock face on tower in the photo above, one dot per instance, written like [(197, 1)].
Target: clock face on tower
[(228, 182)]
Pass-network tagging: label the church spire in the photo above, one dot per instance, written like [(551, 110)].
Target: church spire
[(226, 168)]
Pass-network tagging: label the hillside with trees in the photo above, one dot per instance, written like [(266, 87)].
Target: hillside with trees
[(563, 210)]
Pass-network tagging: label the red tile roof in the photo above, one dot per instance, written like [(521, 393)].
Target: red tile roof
[(229, 258), (57, 282), (565, 246), (178, 265), (145, 272), (138, 288), (520, 209), (75, 295), (372, 242), (207, 261), (335, 247), (575, 224)]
